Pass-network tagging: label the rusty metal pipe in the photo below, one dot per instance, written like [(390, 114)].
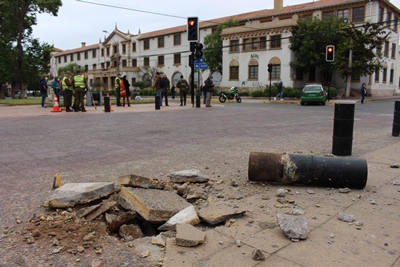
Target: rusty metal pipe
[(323, 171)]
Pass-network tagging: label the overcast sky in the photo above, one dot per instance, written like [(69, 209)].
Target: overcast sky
[(85, 20)]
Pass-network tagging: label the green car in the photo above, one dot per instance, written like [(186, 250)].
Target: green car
[(313, 93)]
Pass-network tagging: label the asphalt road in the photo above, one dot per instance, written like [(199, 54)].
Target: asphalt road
[(97, 146)]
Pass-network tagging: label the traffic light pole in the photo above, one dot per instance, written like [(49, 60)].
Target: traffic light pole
[(191, 60)]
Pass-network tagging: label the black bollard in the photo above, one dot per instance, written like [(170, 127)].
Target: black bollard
[(343, 129), (396, 119), (338, 172), (197, 101), (107, 104), (157, 102)]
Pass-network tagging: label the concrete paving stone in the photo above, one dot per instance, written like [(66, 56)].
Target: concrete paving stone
[(195, 256), (390, 190), (277, 261), (342, 250), (187, 215), (153, 209), (221, 211), (134, 180), (189, 236)]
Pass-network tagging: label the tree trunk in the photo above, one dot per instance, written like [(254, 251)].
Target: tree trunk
[(348, 84)]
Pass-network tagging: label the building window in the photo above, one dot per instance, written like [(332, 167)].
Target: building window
[(263, 42), (124, 63), (123, 48), (94, 66), (160, 42), (108, 64), (102, 65), (177, 58), (177, 39), (384, 75), (65, 59), (86, 54), (395, 24), (146, 44), (102, 52), (133, 47), (343, 15), (94, 53), (391, 76), (234, 72), (254, 43), (388, 19), (234, 47), (71, 57), (115, 49), (246, 44), (299, 74), (377, 70), (327, 14), (146, 61), (386, 51), (253, 72), (393, 51), (276, 41), (78, 56), (134, 62), (380, 16), (276, 72), (355, 76), (358, 14), (108, 51), (160, 60), (59, 59), (86, 68)]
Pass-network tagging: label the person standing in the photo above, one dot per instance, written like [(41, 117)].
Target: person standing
[(157, 87), (166, 88), (209, 84), (183, 86), (43, 88), (117, 89), (280, 93), (67, 90), (56, 87), (127, 91), (363, 91), (80, 85)]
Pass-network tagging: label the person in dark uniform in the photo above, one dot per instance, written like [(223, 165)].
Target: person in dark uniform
[(80, 84), (183, 86), (166, 88), (128, 91)]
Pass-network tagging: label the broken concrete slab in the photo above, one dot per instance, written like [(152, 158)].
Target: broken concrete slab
[(185, 216), (115, 222), (158, 240), (72, 194), (105, 206), (134, 180), (130, 232), (218, 212), (189, 236), (85, 211), (155, 206), (191, 176), (293, 227)]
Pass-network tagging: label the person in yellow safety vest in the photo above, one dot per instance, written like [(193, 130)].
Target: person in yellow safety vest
[(117, 88), (80, 84), (66, 87)]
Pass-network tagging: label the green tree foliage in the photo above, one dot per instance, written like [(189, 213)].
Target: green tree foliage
[(23, 58), (213, 46), (72, 67)]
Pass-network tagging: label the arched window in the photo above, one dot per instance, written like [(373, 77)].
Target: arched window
[(276, 68), (234, 70), (253, 69)]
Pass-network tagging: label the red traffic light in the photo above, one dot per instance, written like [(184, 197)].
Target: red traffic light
[(191, 22), (193, 29), (330, 53)]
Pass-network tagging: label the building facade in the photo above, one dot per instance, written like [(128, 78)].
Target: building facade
[(261, 38)]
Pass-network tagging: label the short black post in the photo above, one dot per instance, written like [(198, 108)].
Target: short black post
[(197, 101), (396, 119), (157, 102), (343, 129), (107, 104)]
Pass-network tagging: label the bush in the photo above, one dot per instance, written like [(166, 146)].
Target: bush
[(148, 92), (332, 91), (258, 93), (244, 94), (142, 85)]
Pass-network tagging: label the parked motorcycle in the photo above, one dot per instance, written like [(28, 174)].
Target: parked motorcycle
[(230, 95)]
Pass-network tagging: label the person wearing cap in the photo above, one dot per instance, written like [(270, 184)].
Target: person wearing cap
[(127, 91), (43, 88), (157, 87), (209, 87), (117, 88), (165, 88), (183, 86), (66, 87), (80, 84)]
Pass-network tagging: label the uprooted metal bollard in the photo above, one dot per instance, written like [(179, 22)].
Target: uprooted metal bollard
[(323, 171)]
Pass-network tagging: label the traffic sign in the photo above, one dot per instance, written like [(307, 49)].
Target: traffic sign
[(200, 60), (200, 66)]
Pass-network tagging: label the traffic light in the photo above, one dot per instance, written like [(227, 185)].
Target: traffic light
[(330, 53), (193, 29), (269, 68), (199, 51)]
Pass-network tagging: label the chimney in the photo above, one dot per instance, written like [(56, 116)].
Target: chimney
[(83, 44), (278, 5)]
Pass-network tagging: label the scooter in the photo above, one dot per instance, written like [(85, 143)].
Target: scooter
[(232, 94)]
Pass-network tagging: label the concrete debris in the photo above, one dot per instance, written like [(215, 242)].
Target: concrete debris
[(309, 191), (346, 217), (344, 190), (181, 190), (153, 209), (116, 221), (105, 206), (158, 240), (72, 194), (258, 255), (397, 182), (130, 232), (85, 211), (297, 211), (293, 227), (395, 166), (218, 212), (134, 180), (185, 216), (189, 236), (280, 192), (96, 263), (191, 176)]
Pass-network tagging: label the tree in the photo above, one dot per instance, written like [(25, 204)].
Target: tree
[(213, 46), (17, 18)]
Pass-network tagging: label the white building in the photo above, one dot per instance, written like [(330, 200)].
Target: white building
[(261, 39)]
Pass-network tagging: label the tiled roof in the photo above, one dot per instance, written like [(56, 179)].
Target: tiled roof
[(80, 49)]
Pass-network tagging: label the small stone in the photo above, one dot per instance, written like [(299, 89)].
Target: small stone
[(80, 249), (309, 191), (346, 217), (238, 243), (332, 235), (258, 255), (397, 182), (280, 192), (344, 190), (220, 242), (373, 202), (395, 166), (359, 223), (36, 233), (96, 263), (89, 236)]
